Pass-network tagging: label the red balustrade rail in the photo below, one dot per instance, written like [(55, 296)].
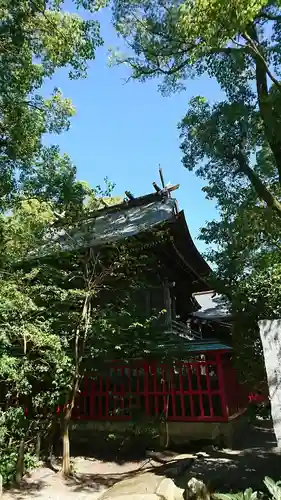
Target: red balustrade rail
[(236, 395), (189, 391)]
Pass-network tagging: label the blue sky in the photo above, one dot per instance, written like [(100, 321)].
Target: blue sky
[(125, 130)]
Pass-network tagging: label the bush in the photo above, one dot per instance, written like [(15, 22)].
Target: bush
[(274, 489), (8, 462)]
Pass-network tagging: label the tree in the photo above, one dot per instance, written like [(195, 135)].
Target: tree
[(235, 144), (33, 372), (65, 314), (77, 290), (35, 368), (237, 43), (40, 189), (37, 38)]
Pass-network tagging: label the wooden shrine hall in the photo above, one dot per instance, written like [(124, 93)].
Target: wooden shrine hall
[(187, 378)]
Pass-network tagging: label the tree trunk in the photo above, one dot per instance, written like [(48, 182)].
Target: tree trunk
[(271, 343), (169, 380), (80, 340), (66, 419), (260, 188), (38, 445), (271, 125), (52, 435), (66, 469), (20, 462)]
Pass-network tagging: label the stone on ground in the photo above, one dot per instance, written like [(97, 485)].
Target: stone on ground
[(196, 490), (146, 486)]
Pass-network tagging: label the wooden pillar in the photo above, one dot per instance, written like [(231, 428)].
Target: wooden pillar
[(173, 306), (219, 367), (168, 304)]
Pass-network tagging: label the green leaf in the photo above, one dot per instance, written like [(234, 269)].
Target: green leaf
[(228, 496), (273, 488)]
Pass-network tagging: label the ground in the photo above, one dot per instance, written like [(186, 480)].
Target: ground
[(253, 456)]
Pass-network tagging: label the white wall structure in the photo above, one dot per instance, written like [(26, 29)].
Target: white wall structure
[(270, 333)]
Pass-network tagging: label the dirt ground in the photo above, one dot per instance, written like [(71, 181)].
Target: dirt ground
[(253, 456), (91, 477)]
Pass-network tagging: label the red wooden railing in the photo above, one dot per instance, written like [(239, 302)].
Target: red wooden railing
[(236, 395), (198, 390)]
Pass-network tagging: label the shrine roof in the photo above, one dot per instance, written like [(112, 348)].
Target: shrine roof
[(176, 344), (213, 306), (122, 221), (111, 224)]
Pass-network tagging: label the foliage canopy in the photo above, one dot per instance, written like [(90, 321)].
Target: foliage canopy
[(233, 144)]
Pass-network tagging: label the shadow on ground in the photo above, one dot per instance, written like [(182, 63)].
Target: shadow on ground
[(166, 465), (107, 447), (253, 456)]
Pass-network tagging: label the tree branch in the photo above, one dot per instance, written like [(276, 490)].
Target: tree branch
[(265, 107), (258, 53), (269, 16), (257, 183)]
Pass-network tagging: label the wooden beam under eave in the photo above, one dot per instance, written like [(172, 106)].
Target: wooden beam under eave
[(129, 195), (156, 187), (173, 188)]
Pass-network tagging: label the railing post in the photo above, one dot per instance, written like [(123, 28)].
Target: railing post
[(146, 388), (222, 386), (92, 398), (199, 387)]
